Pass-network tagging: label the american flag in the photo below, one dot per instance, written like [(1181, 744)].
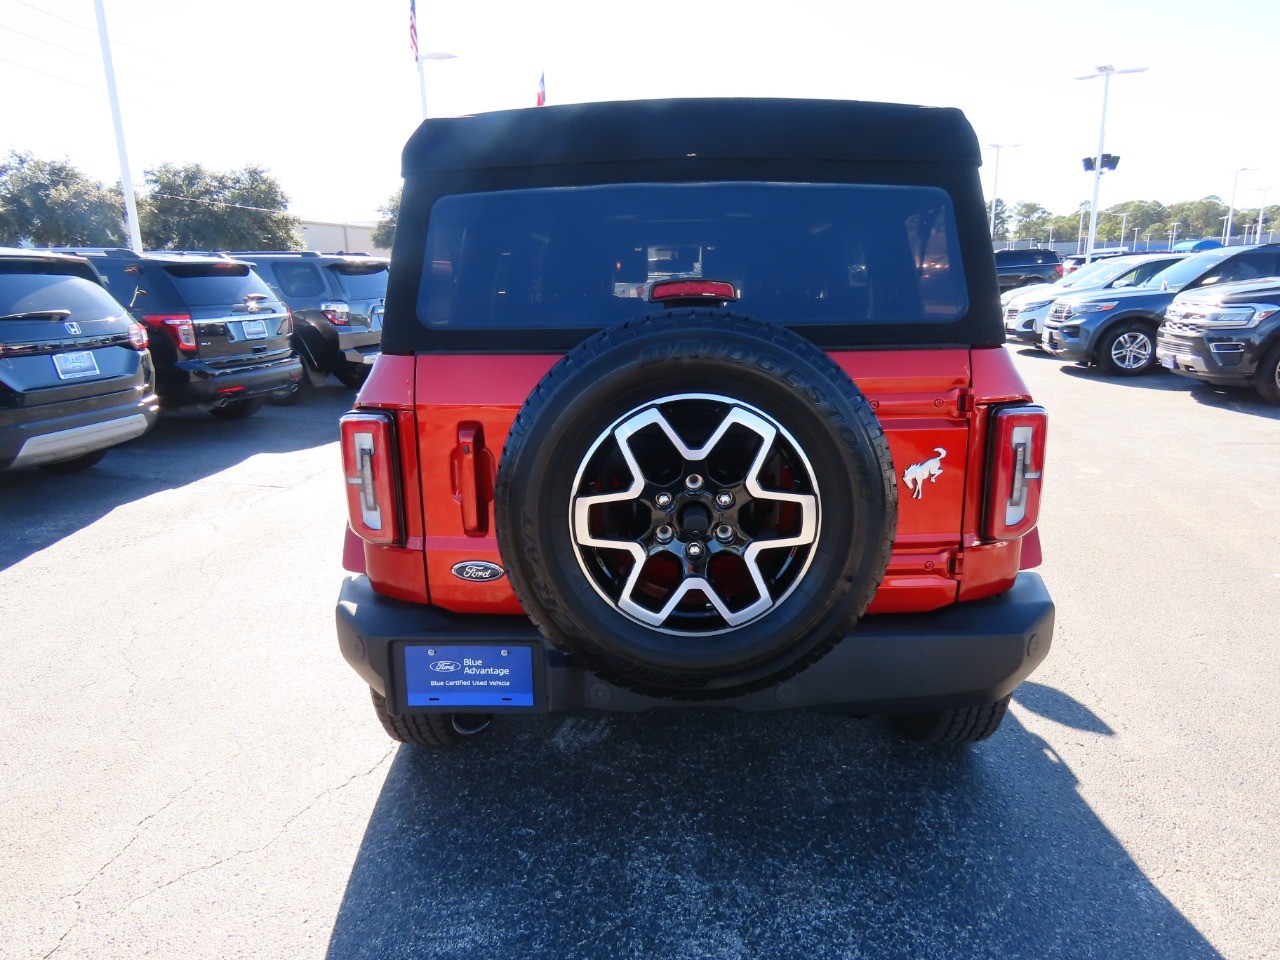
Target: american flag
[(413, 27), (542, 89)]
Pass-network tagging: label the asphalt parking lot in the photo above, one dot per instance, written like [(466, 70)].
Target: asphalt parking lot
[(190, 770)]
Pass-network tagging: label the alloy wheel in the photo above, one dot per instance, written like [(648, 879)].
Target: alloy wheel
[(694, 514)]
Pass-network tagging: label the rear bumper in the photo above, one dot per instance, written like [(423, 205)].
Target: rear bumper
[(203, 385), (965, 655), (66, 433)]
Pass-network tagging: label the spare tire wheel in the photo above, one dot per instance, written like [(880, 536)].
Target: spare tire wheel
[(696, 504)]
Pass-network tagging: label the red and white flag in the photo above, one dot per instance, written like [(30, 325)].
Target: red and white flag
[(542, 90), (413, 28)]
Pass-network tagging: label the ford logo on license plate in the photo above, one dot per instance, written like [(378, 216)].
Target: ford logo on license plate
[(478, 571)]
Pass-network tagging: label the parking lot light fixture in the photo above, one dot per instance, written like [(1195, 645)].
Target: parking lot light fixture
[(995, 180), (422, 74), (1105, 73), (1173, 234), (1235, 180)]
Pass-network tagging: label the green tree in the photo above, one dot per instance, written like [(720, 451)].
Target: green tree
[(1031, 221), (51, 203), (385, 230), (192, 208), (1199, 218), (1001, 231)]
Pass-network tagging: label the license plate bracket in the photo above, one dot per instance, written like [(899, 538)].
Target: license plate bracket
[(489, 676), (254, 329), (75, 364)]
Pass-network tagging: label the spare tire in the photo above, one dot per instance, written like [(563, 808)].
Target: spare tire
[(695, 505)]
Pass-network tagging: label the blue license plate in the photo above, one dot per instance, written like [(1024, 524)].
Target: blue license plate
[(468, 676)]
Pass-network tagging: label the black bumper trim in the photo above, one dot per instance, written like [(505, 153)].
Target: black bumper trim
[(964, 655)]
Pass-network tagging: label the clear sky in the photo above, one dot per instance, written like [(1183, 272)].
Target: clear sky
[(324, 93)]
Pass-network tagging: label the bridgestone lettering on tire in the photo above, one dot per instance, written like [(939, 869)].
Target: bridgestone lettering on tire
[(695, 504)]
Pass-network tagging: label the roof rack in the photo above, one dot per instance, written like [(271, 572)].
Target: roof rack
[(96, 251), (259, 253)]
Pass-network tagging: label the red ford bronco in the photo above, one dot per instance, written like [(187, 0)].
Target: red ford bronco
[(693, 403)]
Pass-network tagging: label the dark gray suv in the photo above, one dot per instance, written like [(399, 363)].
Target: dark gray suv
[(336, 301), (1017, 268)]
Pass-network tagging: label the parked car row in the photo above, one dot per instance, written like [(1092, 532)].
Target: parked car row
[(94, 342), (1213, 316)]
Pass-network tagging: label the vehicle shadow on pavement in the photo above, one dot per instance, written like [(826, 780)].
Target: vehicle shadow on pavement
[(37, 509), (1238, 399), (1156, 380), (694, 835)]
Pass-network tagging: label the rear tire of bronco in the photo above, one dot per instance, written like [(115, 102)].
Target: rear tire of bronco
[(695, 505), (1128, 350), (429, 729), (239, 409), (951, 727)]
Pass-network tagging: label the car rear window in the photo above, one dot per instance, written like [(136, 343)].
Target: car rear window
[(215, 284), (797, 253), (298, 279), (28, 292), (361, 281)]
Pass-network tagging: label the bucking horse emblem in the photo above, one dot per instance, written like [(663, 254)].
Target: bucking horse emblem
[(916, 474)]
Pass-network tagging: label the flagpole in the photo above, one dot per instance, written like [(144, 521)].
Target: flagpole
[(422, 86)]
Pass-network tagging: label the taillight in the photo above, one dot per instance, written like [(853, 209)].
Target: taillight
[(179, 327), (368, 465), (287, 328), (137, 335), (1059, 269), (692, 290), (1016, 473), (336, 313)]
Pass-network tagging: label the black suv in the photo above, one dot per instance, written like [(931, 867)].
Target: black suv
[(75, 375), (1228, 335), (1017, 268), (336, 301), (219, 336)]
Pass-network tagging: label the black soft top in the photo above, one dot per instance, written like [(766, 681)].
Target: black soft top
[(725, 129), (693, 141)]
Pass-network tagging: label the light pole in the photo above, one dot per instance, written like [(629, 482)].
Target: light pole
[(1262, 210), (1135, 239), (1146, 240), (1080, 234), (995, 180), (1226, 231), (126, 183), (1105, 73), (1124, 222), (422, 73), (1173, 234)]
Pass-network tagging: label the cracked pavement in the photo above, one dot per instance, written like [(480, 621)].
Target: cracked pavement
[(188, 769)]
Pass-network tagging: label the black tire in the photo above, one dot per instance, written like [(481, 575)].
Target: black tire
[(75, 465), (951, 727), (301, 393), (429, 729), (1128, 349), (708, 364), (1267, 377), (239, 409), (353, 379)]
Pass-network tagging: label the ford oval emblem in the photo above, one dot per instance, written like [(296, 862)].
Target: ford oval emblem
[(478, 571), (446, 666)]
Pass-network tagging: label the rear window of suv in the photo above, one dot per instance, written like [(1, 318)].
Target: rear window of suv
[(215, 284), (33, 292), (582, 257), (361, 281), (298, 279)]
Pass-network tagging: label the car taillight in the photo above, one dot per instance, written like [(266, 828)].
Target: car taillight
[(179, 327), (336, 313), (137, 335), (1059, 269), (368, 465), (1016, 472), (287, 328)]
